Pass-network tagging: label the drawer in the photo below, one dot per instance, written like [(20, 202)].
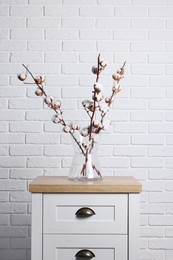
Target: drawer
[(64, 247), (110, 213)]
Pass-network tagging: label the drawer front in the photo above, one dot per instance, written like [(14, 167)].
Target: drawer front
[(64, 247), (110, 213)]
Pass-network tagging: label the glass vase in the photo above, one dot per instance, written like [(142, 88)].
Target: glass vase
[(85, 164)]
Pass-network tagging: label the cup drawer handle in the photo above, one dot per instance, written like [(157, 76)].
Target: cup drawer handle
[(85, 253), (85, 212)]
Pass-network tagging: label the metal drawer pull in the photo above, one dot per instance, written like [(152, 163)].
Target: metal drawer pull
[(85, 212), (85, 253)]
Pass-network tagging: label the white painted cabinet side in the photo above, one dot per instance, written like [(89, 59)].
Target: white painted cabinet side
[(36, 228), (133, 226)]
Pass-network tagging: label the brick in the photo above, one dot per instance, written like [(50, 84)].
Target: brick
[(42, 115), (73, 69), (164, 174), (45, 69), (114, 139), (169, 186), (13, 232), (3, 150), (22, 196), (27, 11), (169, 116), (7, 115), (3, 127), (160, 81), (46, 45), (9, 22), (61, 11), (60, 57), (52, 127), (130, 127), (77, 22), (131, 11), (169, 252), (4, 174), (61, 34), (11, 184), (129, 151), (105, 150), (129, 35), (161, 151), (160, 127), (115, 162), (166, 197), (147, 162), (130, 104), (25, 150), (11, 162), (12, 92), (16, 254), (161, 58), (147, 46), (25, 174), (25, 103), (169, 93), (26, 34), (12, 138), (152, 186), (152, 208), (152, 254), (149, 23), (4, 197), (23, 57), (78, 2), (13, 2), (169, 69), (169, 139), (62, 150), (160, 11), (96, 11), (161, 35), (113, 23), (4, 220), (130, 58), (95, 34), (42, 139), (43, 22), (12, 45), (79, 46), (21, 220), (146, 116), (4, 242), (148, 2), (149, 139), (139, 175), (169, 163), (112, 46), (26, 127), (169, 232), (161, 104), (152, 232), (161, 243), (3, 104), (43, 162), (113, 2), (3, 10), (44, 2), (4, 33), (10, 208), (148, 69), (3, 57), (147, 93), (20, 242)]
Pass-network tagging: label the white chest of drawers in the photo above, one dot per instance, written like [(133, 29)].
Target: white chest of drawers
[(85, 220)]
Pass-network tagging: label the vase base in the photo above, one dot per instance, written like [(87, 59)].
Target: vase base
[(83, 179)]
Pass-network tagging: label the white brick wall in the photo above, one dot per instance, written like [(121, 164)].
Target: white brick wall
[(61, 40)]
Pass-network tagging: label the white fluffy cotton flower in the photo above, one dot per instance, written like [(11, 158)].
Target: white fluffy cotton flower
[(67, 129), (39, 92), (84, 132), (55, 119), (22, 76), (106, 124), (56, 104), (48, 100), (94, 69), (98, 87)]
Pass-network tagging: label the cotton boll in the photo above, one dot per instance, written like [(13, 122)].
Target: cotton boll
[(94, 69), (39, 92), (55, 119), (39, 79), (98, 87), (84, 132), (56, 104), (48, 100), (67, 129), (22, 76)]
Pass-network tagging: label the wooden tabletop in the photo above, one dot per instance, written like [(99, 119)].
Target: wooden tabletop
[(60, 184)]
